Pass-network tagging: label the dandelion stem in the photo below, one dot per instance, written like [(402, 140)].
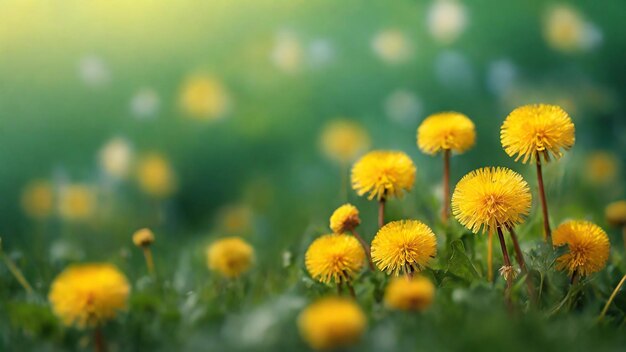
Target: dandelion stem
[(381, 212), (608, 303), (522, 263), (99, 344), (507, 262), (339, 287), (544, 204), (351, 289), (490, 256), (147, 253), (366, 248), (445, 212), (17, 273), (574, 279)]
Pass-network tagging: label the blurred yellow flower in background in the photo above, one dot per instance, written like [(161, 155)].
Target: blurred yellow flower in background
[(392, 46), (143, 237), (334, 258), (332, 322), (116, 157), (38, 199), (404, 246), (344, 219), (155, 176), (588, 247), (230, 256), (615, 213), (566, 30), (446, 131), (601, 167), (343, 140), (488, 198), (287, 53), (87, 295), (404, 293), (204, 98), (533, 131), (383, 174), (77, 202), (236, 219), (446, 20)]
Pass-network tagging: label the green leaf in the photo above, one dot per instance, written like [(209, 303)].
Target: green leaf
[(459, 263)]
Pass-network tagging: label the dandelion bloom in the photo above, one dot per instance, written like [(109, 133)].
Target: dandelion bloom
[(230, 256), (143, 237), (38, 199), (89, 294), (204, 98), (534, 130), (383, 174), (155, 176), (588, 247), (236, 219), (403, 246), (446, 131), (332, 322), (615, 213), (335, 258), (343, 140), (403, 293), (77, 202), (345, 219), (601, 168), (491, 197)]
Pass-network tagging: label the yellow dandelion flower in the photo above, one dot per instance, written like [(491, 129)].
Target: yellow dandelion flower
[(155, 176), (335, 258), (383, 174), (446, 131), (537, 130), (89, 294), (588, 247), (38, 199), (204, 98), (491, 197), (236, 219), (566, 30), (403, 293), (403, 246), (601, 167), (77, 202), (143, 237), (343, 140), (332, 322), (345, 219), (230, 256), (615, 213)]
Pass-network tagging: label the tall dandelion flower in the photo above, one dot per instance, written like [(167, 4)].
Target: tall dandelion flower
[(38, 199), (345, 219), (489, 199), (382, 174), (204, 98), (155, 176), (77, 202), (446, 132), (143, 239), (588, 247), (403, 293), (335, 258), (332, 322), (88, 295), (404, 246), (533, 132), (230, 256)]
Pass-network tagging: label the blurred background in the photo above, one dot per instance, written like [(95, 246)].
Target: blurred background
[(201, 119)]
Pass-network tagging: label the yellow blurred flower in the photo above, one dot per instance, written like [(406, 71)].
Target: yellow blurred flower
[(77, 202), (533, 130), (615, 213), (404, 246), (230, 256), (155, 176), (116, 157), (343, 140), (446, 131), (335, 258), (332, 322), (235, 219), (287, 52), (403, 293), (87, 295), (383, 174), (588, 247), (345, 219), (601, 167), (392, 46), (566, 30), (446, 20), (38, 199), (204, 98), (491, 197), (143, 237)]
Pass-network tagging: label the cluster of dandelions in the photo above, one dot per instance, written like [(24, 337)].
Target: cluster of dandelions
[(492, 200)]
